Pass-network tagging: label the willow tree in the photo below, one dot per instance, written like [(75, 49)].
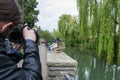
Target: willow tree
[(83, 7), (107, 43), (68, 29), (98, 19), (106, 32), (118, 3), (101, 16)]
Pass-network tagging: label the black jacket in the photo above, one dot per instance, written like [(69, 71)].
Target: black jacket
[(31, 68)]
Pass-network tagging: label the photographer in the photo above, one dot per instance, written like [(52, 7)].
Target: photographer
[(10, 18)]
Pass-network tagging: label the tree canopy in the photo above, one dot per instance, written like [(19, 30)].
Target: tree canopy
[(29, 11)]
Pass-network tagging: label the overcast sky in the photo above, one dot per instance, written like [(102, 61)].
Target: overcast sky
[(51, 10)]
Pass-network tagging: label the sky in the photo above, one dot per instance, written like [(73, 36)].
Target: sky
[(51, 10)]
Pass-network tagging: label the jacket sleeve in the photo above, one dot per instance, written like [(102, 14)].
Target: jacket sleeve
[(31, 68), (31, 64)]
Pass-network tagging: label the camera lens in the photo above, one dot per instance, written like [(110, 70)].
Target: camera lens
[(16, 36)]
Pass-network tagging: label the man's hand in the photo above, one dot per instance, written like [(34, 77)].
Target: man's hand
[(29, 34)]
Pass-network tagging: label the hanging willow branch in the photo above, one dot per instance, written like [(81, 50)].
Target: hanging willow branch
[(118, 3), (101, 16), (83, 7), (99, 20)]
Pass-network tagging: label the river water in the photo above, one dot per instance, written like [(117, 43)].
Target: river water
[(89, 68)]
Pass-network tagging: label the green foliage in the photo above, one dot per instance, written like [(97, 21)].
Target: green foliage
[(96, 27), (119, 53), (102, 18), (83, 21), (118, 3), (29, 11), (68, 29), (55, 34), (44, 34)]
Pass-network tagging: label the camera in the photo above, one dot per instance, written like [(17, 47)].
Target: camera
[(17, 35)]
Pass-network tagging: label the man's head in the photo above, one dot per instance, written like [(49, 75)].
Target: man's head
[(10, 17)]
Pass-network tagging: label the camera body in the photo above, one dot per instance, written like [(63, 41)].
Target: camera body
[(17, 35)]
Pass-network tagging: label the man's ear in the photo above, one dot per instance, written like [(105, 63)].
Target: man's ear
[(6, 25)]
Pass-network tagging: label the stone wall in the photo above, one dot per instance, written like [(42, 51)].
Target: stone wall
[(60, 66)]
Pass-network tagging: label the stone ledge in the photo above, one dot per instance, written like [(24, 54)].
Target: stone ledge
[(60, 59), (62, 68), (60, 65)]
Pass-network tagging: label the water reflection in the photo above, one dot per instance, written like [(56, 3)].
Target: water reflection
[(89, 68), (86, 73)]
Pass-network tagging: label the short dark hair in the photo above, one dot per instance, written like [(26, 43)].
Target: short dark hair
[(9, 11)]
